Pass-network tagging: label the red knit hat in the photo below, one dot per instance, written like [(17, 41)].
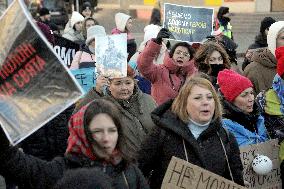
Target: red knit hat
[(279, 53), (232, 84)]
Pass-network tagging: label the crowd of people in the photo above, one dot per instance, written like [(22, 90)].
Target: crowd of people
[(181, 100)]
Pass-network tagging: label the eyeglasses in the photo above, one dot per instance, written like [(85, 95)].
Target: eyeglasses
[(182, 53)]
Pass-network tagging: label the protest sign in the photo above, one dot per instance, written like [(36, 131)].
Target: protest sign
[(86, 77), (65, 49), (35, 85), (111, 55), (187, 23), (270, 149), (184, 175)]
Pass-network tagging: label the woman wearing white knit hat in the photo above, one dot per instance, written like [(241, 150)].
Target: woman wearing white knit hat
[(275, 36), (123, 25), (74, 33), (85, 57)]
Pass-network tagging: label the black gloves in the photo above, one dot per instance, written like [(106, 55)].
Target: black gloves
[(163, 33)]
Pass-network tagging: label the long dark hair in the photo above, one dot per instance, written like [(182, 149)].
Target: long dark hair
[(155, 17), (101, 106)]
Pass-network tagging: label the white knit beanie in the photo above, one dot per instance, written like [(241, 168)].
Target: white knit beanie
[(95, 31), (121, 20), (76, 17), (151, 31), (272, 35)]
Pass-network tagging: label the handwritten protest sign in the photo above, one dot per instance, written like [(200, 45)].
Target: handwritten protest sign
[(65, 49), (183, 175), (270, 149), (86, 77), (187, 23), (34, 85), (111, 55)]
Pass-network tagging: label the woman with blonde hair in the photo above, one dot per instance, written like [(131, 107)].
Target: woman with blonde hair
[(190, 128)]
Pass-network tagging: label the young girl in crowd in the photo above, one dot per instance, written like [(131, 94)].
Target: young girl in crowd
[(96, 141)]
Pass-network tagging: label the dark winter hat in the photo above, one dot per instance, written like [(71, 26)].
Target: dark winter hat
[(266, 23), (222, 11), (279, 53), (232, 84), (46, 31), (43, 11), (86, 5)]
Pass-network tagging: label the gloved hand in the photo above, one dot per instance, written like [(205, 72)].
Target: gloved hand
[(163, 33)]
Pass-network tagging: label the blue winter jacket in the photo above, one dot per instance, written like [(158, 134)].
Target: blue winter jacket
[(244, 136)]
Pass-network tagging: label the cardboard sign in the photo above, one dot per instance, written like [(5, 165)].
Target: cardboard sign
[(269, 149), (111, 55), (187, 23), (183, 175), (65, 49), (86, 77), (35, 85)]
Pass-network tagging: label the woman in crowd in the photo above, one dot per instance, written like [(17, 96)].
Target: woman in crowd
[(272, 101), (124, 25), (211, 58), (135, 106), (74, 32), (241, 115), (85, 57), (190, 128), (87, 10), (88, 22), (166, 78), (96, 141), (262, 69)]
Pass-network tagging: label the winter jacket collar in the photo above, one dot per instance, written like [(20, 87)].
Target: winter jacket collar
[(264, 57), (164, 118), (126, 104), (233, 113), (82, 161)]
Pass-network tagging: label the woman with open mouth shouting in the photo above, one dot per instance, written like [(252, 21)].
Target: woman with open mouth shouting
[(166, 78), (190, 128)]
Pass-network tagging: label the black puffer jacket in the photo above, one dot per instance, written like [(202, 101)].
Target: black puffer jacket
[(50, 140), (33, 173), (207, 152)]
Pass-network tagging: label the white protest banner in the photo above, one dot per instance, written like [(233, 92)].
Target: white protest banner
[(183, 175), (35, 85), (111, 55), (187, 23), (270, 181)]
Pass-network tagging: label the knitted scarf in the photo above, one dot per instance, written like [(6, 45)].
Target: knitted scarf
[(278, 87)]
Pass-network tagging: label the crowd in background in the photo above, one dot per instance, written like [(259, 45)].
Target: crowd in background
[(184, 100)]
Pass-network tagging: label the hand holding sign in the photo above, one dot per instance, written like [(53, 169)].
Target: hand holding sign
[(163, 33), (101, 82)]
